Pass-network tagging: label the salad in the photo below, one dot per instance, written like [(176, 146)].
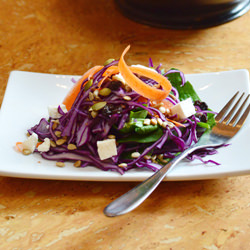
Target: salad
[(118, 117)]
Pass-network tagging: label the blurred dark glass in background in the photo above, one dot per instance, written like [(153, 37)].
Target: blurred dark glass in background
[(183, 14)]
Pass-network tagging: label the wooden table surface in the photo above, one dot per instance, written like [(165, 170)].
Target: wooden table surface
[(67, 37)]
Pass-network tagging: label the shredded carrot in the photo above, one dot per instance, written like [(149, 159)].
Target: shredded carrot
[(142, 99), (18, 144), (107, 75), (138, 85), (72, 94), (93, 71), (39, 143), (167, 104), (176, 123), (132, 80), (111, 69)]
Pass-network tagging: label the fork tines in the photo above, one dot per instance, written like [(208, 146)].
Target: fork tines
[(233, 117)]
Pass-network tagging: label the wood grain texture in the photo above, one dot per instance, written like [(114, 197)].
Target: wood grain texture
[(68, 37)]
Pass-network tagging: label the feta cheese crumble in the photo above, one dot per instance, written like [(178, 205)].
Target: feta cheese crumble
[(53, 111), (30, 142), (106, 148), (183, 109), (45, 146)]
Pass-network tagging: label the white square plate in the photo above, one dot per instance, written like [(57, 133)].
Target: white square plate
[(29, 94)]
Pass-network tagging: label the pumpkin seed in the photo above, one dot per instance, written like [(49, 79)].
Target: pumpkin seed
[(127, 98), (60, 142), (71, 146), (172, 96), (99, 105), (58, 133), (161, 158), (123, 165), (91, 96), (165, 124), (60, 164), (77, 164), (108, 61), (146, 121), (94, 114), (159, 121), (52, 144), (162, 110), (54, 126), (135, 155), (171, 125), (153, 121), (147, 157), (153, 157), (105, 91), (88, 84), (111, 136), (96, 93)]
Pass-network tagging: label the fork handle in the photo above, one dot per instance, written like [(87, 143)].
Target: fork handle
[(138, 194)]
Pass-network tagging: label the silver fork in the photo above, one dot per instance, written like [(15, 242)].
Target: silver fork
[(228, 123)]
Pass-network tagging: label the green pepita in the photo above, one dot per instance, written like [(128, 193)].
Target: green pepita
[(88, 84), (91, 96), (105, 91), (108, 61), (99, 105)]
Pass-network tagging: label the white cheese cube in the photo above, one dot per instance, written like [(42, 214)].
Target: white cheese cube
[(183, 109), (53, 111), (45, 146), (106, 148), (31, 142)]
